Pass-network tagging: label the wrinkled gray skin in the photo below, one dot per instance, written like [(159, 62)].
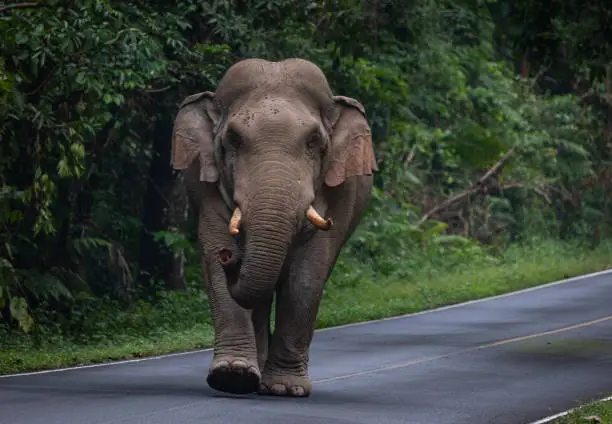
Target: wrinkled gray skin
[(272, 140)]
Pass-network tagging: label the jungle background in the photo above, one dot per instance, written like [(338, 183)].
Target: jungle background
[(491, 121)]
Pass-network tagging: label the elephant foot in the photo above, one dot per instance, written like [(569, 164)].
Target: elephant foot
[(285, 385), (235, 376)]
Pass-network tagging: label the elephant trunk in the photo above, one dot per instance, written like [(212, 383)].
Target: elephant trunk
[(269, 220), (261, 268)]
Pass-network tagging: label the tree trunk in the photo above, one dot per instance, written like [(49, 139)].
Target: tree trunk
[(165, 209)]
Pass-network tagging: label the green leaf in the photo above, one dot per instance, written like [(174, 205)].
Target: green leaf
[(19, 311)]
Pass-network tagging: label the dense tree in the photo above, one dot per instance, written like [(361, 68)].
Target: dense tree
[(491, 121)]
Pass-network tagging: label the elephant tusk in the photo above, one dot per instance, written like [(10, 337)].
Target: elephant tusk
[(234, 224), (317, 220)]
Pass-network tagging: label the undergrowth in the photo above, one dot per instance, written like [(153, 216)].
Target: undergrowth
[(595, 412), (102, 330)]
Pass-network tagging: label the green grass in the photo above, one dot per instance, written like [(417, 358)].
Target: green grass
[(180, 321), (590, 413)]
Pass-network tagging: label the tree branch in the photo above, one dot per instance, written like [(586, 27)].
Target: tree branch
[(474, 188), (410, 156), (539, 191), (157, 90), (18, 6)]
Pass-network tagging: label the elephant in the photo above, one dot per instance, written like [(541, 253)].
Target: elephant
[(264, 158)]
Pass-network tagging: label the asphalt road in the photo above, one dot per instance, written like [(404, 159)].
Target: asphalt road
[(511, 359)]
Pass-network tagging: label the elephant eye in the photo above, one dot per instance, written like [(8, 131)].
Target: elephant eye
[(314, 141), (232, 139)]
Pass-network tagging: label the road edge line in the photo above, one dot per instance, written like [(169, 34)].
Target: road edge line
[(320, 330), (471, 302), (548, 419)]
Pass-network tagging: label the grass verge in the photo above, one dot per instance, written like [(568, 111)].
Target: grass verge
[(180, 321), (596, 412)]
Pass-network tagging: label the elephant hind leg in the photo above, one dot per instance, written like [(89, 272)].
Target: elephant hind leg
[(261, 325)]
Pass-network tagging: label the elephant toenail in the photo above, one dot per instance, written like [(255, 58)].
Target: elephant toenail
[(297, 391), (222, 365), (254, 371), (279, 389), (239, 366)]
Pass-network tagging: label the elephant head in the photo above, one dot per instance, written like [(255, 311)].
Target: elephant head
[(270, 137)]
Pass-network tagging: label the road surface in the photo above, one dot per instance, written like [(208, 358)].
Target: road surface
[(511, 359)]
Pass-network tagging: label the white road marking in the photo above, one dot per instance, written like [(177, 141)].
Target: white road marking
[(564, 413), (466, 350), (428, 311)]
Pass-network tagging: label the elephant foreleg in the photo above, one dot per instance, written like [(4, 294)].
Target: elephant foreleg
[(299, 295), (286, 369), (234, 367)]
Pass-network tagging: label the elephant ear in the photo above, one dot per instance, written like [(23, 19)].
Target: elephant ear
[(351, 139), (192, 135)]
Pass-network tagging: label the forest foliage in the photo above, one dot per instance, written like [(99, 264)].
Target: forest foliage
[(491, 123)]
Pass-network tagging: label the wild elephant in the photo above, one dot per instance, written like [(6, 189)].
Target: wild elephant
[(265, 157)]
